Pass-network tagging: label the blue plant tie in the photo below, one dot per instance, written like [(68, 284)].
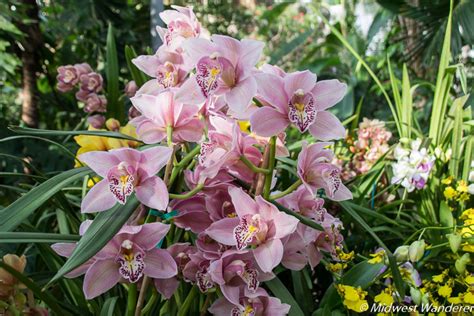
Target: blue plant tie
[(163, 216)]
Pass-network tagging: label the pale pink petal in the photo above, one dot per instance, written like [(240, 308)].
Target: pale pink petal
[(196, 48), (242, 202), (166, 287), (271, 88), (230, 47), (222, 231), (98, 199), (155, 158), (190, 92), (231, 293), (80, 270), (147, 63), (304, 80), (269, 254), (192, 131), (154, 107), (294, 261), (327, 126), (250, 52), (221, 307), (285, 224), (159, 264), (196, 221), (153, 193), (99, 161), (64, 249), (240, 96), (100, 277), (276, 308), (343, 193), (148, 131), (328, 93), (151, 234), (151, 87), (268, 122)]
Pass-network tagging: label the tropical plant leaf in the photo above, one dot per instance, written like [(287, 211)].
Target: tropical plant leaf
[(18, 211), (27, 237), (139, 77), (102, 229), (279, 290), (115, 107)]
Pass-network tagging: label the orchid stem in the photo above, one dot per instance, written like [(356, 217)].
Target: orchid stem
[(183, 163), (169, 135), (253, 167), (132, 299), (151, 302), (270, 166), (188, 301), (187, 195), (290, 189)]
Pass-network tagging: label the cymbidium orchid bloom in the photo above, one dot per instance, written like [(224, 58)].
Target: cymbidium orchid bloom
[(258, 303), (163, 111), (90, 83), (124, 171), (224, 67), (296, 98), (182, 24), (129, 256), (259, 225), (166, 67), (234, 270), (317, 172)]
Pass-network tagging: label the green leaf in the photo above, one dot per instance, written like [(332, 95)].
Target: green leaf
[(99, 233), (46, 132), (445, 215), (289, 47), (362, 274), (18, 211), (115, 107), (139, 77), (302, 292), (279, 290), (468, 157), (455, 161), (407, 104), (109, 306), (47, 298), (27, 237)]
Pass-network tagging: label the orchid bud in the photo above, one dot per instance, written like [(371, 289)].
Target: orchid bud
[(454, 241), (112, 124), (96, 121), (415, 295), (416, 250), (401, 253), (461, 263)]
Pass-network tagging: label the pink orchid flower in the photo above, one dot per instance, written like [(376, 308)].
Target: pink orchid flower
[(68, 76), (236, 269), (124, 171), (181, 25), (180, 253), (223, 150), (130, 255), (296, 98), (166, 67), (304, 202), (317, 172), (259, 303), (223, 68), (162, 111), (259, 224), (90, 83)]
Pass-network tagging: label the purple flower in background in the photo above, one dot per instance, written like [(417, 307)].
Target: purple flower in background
[(90, 83), (95, 103)]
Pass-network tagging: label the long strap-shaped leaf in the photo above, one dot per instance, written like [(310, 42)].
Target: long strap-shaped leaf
[(99, 233), (18, 211), (397, 278), (27, 237), (280, 291), (47, 132)]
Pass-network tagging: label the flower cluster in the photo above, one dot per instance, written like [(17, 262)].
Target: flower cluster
[(89, 84), (205, 90), (371, 144), (413, 166)]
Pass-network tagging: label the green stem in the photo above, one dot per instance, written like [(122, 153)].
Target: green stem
[(253, 167), (132, 299), (290, 189), (303, 219), (169, 135), (271, 166), (183, 163), (151, 302), (187, 302), (187, 195)]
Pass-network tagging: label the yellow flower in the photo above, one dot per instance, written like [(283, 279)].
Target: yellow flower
[(469, 279), (467, 247), (447, 180), (244, 126), (462, 186), (449, 193), (354, 298), (468, 214), (469, 296), (455, 300), (445, 290), (440, 277), (336, 267), (343, 255), (463, 197), (385, 297), (98, 143), (377, 257)]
